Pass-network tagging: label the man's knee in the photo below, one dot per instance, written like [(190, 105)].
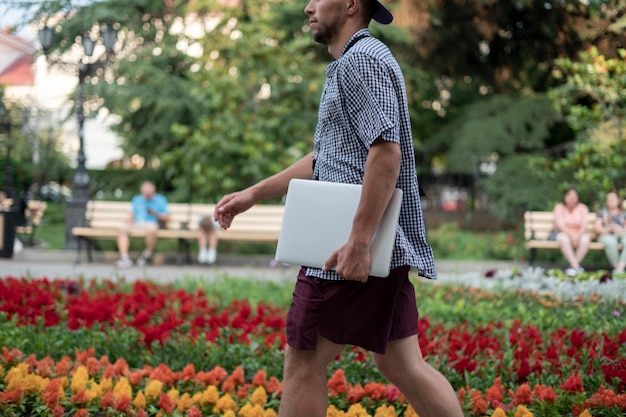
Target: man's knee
[(151, 229), (124, 229)]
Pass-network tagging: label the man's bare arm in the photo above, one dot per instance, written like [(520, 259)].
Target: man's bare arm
[(276, 185)]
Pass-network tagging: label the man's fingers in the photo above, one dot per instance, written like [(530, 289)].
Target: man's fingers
[(331, 262)]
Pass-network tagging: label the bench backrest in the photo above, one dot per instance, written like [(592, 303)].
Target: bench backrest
[(539, 224), (262, 220), (34, 210)]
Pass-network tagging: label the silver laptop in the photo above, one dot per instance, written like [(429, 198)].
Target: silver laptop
[(318, 220)]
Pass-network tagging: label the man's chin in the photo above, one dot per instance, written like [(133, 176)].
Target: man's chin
[(320, 38)]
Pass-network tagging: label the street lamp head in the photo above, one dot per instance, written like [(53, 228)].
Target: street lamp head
[(88, 44), (45, 38), (109, 37)]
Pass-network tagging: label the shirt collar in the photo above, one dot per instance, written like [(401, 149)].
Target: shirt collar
[(359, 33)]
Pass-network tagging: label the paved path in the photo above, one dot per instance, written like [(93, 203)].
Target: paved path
[(60, 264)]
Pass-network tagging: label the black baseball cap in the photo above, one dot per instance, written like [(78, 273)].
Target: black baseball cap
[(381, 13)]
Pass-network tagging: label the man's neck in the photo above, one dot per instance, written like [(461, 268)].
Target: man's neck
[(342, 38)]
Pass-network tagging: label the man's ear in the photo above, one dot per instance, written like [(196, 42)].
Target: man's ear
[(353, 6)]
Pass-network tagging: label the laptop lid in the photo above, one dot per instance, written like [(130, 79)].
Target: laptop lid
[(318, 220)]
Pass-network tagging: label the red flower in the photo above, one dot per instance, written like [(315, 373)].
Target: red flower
[(543, 393), (82, 412), (108, 400), (123, 405), (260, 379), (11, 397), (51, 393), (194, 412), (166, 404), (213, 377), (573, 384)]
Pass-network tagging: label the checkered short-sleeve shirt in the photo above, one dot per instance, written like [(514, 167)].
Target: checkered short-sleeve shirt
[(363, 99)]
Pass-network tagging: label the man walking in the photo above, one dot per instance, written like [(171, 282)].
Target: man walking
[(363, 136)]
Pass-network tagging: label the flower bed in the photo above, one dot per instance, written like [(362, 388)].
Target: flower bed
[(506, 353)]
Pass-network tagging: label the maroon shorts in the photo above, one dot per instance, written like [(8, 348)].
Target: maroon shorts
[(367, 314)]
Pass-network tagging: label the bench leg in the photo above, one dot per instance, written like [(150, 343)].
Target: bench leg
[(180, 256), (533, 255), (89, 251), (79, 248)]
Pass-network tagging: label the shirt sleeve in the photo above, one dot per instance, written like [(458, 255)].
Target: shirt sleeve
[(163, 206), (371, 101)]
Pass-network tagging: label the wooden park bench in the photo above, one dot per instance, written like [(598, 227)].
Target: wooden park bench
[(103, 219), (539, 224), (34, 213)]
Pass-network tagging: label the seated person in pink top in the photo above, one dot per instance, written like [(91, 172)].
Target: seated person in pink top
[(570, 224)]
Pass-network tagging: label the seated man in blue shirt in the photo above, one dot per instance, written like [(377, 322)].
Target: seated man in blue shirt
[(149, 209)]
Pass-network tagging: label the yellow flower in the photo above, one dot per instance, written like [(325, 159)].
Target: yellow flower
[(154, 390), (259, 396), (94, 391), (1, 371), (357, 410), (106, 384), (140, 400), (197, 398), (173, 394), (79, 379), (210, 395), (184, 403), (270, 413), (386, 411), (31, 383), (585, 413), (65, 382), (225, 403), (410, 412), (498, 412), (230, 413), (332, 411), (122, 389), (15, 375), (522, 411), (250, 410)]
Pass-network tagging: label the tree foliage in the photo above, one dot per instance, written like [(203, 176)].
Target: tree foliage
[(592, 99)]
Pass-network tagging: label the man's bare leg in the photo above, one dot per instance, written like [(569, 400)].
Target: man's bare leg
[(428, 391), (305, 392)]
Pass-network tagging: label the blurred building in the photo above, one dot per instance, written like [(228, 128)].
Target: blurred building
[(47, 92)]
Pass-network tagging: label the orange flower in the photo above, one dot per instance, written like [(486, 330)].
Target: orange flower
[(337, 383), (498, 412), (166, 403), (495, 392), (523, 395), (375, 390), (135, 378), (224, 404), (93, 366), (44, 367), (213, 377), (522, 411), (63, 366), (238, 375), (164, 374), (184, 403), (260, 379), (274, 385), (84, 355), (479, 405), (355, 394), (228, 386), (189, 373), (259, 396), (10, 356)]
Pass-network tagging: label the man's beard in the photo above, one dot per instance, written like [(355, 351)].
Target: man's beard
[(326, 34)]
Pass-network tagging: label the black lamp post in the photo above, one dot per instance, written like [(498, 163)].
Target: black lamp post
[(77, 205), (5, 121)]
